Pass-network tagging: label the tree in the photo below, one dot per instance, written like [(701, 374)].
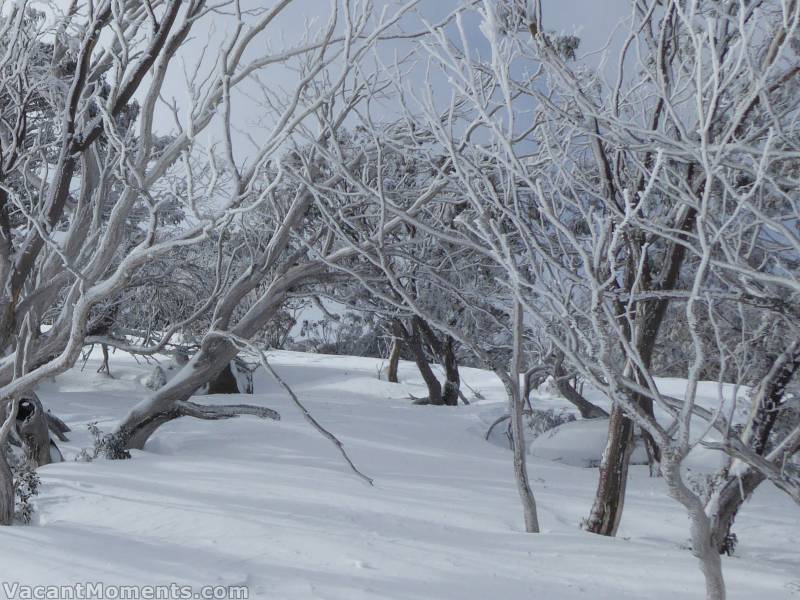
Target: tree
[(578, 200), (72, 253)]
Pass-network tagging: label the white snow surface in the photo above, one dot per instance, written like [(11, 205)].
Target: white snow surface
[(271, 505)]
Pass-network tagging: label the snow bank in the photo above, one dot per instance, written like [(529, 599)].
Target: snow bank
[(579, 444), (270, 505)]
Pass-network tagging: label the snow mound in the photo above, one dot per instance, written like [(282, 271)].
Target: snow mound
[(270, 504), (579, 444)]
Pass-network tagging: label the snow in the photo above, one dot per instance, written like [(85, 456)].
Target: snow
[(580, 444), (271, 505)]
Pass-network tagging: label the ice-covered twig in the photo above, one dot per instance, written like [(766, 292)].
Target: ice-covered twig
[(247, 345)]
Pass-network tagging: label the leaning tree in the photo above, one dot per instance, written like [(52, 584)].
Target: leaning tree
[(91, 172)]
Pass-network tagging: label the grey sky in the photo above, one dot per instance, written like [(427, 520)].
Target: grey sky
[(592, 20)]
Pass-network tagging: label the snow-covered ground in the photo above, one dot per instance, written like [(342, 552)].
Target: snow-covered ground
[(271, 505)]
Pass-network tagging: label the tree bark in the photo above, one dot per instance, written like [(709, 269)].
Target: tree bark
[(725, 504), (186, 408), (610, 497), (394, 360), (445, 353), (137, 427), (770, 397), (7, 496), (140, 423), (452, 385), (7, 493), (413, 341), (33, 427), (516, 408)]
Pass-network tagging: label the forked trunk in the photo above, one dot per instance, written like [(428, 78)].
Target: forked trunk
[(445, 353), (413, 341), (725, 504)]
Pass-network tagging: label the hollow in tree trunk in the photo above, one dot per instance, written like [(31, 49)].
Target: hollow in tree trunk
[(224, 382), (33, 427)]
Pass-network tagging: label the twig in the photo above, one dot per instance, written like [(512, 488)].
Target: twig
[(245, 344), (500, 420)]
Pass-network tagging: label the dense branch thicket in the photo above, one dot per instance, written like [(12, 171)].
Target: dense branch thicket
[(519, 208)]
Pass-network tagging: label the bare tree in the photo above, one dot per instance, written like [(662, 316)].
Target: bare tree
[(71, 253), (687, 165)]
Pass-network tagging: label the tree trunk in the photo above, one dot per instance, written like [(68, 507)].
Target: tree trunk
[(452, 384), (104, 368), (413, 341), (34, 429), (610, 497), (7, 324), (445, 353), (703, 547), (651, 314), (520, 464), (725, 504), (394, 360), (727, 501), (770, 397), (140, 423), (516, 407), (7, 496)]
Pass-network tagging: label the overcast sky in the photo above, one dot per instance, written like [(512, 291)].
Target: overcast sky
[(592, 20)]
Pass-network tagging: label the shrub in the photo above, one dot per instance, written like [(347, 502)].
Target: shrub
[(26, 486), (540, 420), (107, 445)]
